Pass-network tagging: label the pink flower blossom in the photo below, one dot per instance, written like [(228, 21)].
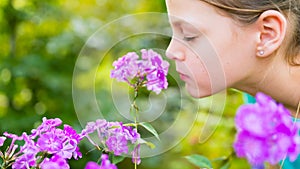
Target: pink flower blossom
[(46, 140), (113, 135), (55, 162), (105, 164), (2, 139), (266, 132), (150, 70)]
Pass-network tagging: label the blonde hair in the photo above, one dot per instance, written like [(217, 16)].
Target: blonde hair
[(248, 11)]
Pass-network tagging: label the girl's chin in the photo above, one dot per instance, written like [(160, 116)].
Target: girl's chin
[(197, 92)]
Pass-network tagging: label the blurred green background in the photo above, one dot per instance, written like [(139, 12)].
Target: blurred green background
[(40, 41)]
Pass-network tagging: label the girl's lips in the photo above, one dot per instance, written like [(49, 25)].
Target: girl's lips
[(183, 76)]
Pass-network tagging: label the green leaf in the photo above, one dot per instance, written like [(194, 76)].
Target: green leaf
[(149, 144), (150, 128), (199, 161), (226, 165), (117, 159), (223, 161), (224, 158)]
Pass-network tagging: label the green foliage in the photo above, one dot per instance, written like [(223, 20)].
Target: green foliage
[(204, 162), (40, 42), (149, 128), (225, 166), (116, 159), (199, 161)]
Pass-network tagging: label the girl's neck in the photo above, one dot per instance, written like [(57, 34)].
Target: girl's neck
[(279, 80), (283, 84)]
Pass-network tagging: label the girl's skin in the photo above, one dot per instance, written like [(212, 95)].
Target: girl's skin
[(213, 52)]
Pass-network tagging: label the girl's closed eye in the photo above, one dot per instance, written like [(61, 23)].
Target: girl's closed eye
[(189, 38)]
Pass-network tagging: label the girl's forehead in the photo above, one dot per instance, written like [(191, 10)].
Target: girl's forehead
[(190, 11)]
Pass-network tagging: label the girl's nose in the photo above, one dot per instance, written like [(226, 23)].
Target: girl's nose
[(174, 51)]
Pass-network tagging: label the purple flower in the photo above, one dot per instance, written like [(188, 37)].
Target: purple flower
[(114, 137), (126, 67), (71, 134), (266, 132), (50, 142), (12, 148), (157, 70), (2, 139), (130, 134), (118, 136), (89, 128), (48, 124), (56, 162), (24, 161), (56, 141), (46, 140), (105, 164), (260, 166), (100, 126), (12, 136), (70, 141), (67, 150), (92, 165), (117, 144), (29, 151), (151, 70), (136, 154), (251, 147)]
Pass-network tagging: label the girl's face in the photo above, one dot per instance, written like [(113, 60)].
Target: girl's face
[(211, 51)]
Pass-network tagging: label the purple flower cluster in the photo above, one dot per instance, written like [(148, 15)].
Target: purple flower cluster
[(46, 147), (2, 139), (114, 137), (105, 164), (266, 132), (151, 70)]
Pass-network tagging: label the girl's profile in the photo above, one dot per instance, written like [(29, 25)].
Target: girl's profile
[(257, 44)]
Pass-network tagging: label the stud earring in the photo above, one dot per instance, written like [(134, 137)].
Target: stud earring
[(261, 52)]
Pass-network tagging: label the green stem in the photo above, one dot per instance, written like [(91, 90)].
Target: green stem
[(134, 107), (7, 162), (2, 166), (136, 111), (3, 162)]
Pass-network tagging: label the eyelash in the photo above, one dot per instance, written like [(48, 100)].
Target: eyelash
[(188, 39)]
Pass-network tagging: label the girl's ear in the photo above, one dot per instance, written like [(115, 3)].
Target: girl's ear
[(272, 27)]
